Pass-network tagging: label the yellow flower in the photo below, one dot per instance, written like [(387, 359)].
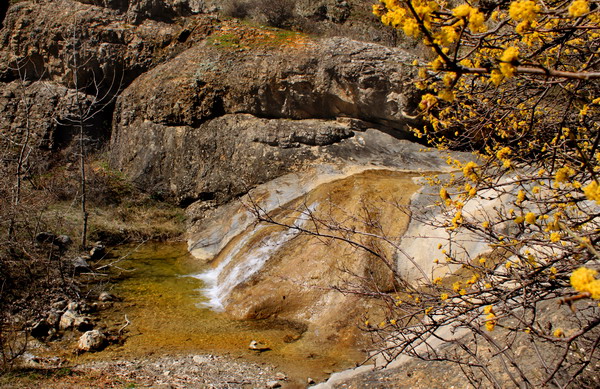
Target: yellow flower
[(490, 322), (530, 218), (393, 322), (524, 10), (555, 237), (507, 60), (519, 220), (584, 280), (444, 194), (469, 170), (444, 296), (456, 286), (579, 8), (427, 101), (446, 95), (503, 153), (563, 174), (437, 281), (592, 191), (411, 27), (477, 21), (488, 309), (559, 333), (462, 10), (428, 309)]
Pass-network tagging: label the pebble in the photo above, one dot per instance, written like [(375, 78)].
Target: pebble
[(273, 384), (201, 359)]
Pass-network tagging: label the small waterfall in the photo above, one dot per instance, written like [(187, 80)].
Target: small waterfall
[(244, 260)]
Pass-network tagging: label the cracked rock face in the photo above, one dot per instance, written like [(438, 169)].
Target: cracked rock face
[(237, 118), (38, 39)]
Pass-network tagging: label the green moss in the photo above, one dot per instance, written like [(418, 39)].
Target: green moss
[(225, 40)]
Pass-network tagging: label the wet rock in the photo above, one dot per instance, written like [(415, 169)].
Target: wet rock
[(92, 341), (258, 346)]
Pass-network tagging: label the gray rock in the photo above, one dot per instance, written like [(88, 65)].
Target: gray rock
[(53, 319), (82, 324), (105, 297), (80, 265), (67, 320), (184, 136), (92, 341), (273, 384)]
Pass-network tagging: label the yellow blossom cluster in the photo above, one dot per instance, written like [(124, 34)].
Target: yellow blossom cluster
[(592, 191), (584, 280), (579, 8), (509, 56)]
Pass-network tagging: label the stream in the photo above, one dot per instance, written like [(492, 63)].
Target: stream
[(169, 315)]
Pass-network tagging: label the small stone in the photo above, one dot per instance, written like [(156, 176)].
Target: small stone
[(201, 359), (273, 384), (92, 341), (97, 251), (82, 324), (105, 296), (280, 376), (53, 318), (73, 306), (80, 265), (257, 346), (63, 241), (310, 381), (67, 319)]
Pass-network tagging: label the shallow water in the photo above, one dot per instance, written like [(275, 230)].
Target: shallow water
[(168, 315)]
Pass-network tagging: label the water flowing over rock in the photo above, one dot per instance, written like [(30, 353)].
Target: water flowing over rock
[(267, 270)]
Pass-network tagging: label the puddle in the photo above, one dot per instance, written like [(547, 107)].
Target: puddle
[(168, 315)]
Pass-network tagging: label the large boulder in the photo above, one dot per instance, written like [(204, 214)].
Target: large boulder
[(198, 126)]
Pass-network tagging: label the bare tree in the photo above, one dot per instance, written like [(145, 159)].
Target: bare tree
[(94, 93)]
